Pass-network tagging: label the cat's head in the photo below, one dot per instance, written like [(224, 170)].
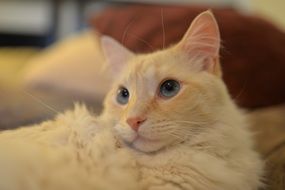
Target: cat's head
[(167, 96)]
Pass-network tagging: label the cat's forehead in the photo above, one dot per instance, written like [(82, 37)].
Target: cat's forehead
[(143, 70), (153, 67), (147, 65), (143, 63)]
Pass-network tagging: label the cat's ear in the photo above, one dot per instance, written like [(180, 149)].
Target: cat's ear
[(115, 53), (202, 41)]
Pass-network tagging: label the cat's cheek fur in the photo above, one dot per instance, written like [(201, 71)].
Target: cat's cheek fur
[(125, 133)]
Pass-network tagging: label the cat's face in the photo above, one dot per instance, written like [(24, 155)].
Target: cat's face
[(168, 96)]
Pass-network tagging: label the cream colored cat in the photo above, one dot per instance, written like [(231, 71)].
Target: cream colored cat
[(168, 124)]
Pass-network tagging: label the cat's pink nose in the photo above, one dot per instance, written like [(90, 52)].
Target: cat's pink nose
[(135, 122)]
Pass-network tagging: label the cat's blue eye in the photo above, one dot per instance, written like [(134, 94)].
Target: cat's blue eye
[(169, 88), (123, 96)]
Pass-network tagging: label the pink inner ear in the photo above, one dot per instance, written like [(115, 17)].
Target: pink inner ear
[(203, 36), (116, 54)]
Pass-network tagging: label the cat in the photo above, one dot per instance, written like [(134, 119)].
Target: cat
[(173, 111), (168, 123)]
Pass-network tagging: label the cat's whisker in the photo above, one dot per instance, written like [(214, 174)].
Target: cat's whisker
[(187, 132), (241, 91), (174, 122), (176, 136), (124, 36), (182, 133), (41, 102), (189, 122), (142, 40), (163, 28), (202, 37)]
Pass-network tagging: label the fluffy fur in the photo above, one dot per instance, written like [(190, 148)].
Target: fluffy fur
[(66, 153), (196, 140)]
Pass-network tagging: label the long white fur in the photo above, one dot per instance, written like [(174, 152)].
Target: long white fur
[(65, 153)]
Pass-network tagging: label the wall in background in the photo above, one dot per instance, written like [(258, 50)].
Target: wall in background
[(243, 5), (41, 17), (25, 17), (271, 9)]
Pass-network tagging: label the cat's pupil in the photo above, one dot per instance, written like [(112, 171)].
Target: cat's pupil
[(169, 88), (123, 95)]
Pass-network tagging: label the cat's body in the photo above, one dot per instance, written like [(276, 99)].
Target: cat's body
[(168, 120)]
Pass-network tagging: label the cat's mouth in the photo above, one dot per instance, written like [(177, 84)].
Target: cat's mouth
[(142, 142)]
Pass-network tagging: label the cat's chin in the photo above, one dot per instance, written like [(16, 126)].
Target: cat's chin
[(147, 145)]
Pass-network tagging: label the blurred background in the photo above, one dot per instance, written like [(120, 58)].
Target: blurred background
[(41, 22), (50, 53)]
